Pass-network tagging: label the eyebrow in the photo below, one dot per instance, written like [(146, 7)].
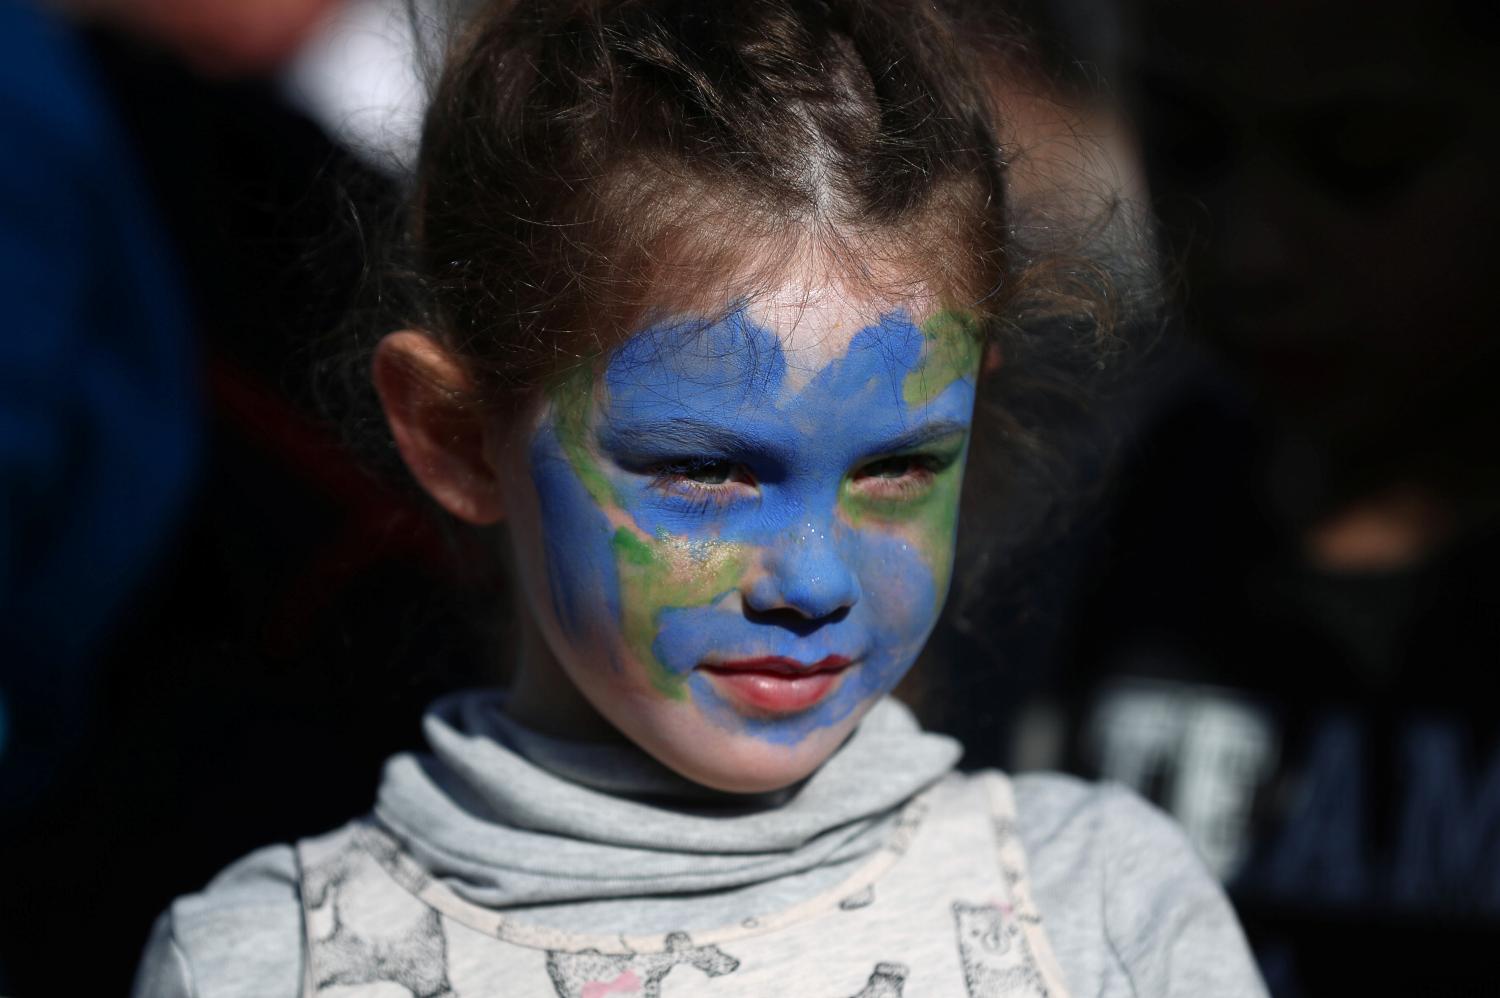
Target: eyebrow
[(681, 432), (921, 436), (688, 434)]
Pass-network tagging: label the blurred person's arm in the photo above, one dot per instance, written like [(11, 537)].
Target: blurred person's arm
[(98, 425), (47, 128)]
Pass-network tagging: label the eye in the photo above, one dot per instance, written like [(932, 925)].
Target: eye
[(898, 477), (703, 479), (702, 472), (894, 467)]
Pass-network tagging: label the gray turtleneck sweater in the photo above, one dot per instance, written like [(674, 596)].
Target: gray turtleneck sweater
[(588, 838)]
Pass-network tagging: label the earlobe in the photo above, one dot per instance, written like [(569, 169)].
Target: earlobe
[(428, 400), (991, 361)]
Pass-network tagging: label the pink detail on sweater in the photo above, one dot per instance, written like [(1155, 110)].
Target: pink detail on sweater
[(627, 982)]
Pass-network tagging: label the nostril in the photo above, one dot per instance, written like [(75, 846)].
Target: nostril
[(808, 596), (792, 620)]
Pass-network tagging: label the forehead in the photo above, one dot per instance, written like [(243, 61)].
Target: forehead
[(815, 327), (818, 367), (812, 322)]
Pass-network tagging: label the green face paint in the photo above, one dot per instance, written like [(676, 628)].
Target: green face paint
[(668, 572), (952, 352), (572, 408), (688, 473), (930, 520), (652, 573)]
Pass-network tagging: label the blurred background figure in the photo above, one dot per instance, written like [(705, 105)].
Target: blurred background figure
[(1285, 628), (190, 560), (98, 408), (216, 37), (362, 76)]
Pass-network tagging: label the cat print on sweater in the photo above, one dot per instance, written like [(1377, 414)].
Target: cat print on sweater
[(859, 899), (367, 939), (592, 974), (887, 981), (996, 957)]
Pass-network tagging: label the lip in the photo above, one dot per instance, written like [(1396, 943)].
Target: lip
[(776, 685)]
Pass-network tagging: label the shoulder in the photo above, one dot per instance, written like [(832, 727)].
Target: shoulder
[(240, 936), (1074, 828), (1071, 819), (1079, 830), (1060, 814), (1124, 894)]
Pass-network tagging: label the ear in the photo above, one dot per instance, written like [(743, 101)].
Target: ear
[(991, 360), (428, 400)]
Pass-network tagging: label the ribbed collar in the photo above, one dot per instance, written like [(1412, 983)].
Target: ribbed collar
[(511, 817)]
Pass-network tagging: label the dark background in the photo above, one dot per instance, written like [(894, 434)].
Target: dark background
[(1275, 615)]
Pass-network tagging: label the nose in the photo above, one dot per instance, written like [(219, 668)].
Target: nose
[(806, 574)]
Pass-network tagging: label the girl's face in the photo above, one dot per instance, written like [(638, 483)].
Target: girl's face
[(735, 536)]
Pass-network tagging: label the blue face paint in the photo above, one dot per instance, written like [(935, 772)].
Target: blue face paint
[(712, 500)]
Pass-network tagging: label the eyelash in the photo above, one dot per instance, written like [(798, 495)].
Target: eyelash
[(675, 478), (916, 474)]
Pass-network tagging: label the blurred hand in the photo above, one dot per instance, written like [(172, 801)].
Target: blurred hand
[(219, 37)]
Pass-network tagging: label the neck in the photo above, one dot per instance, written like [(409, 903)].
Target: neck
[(544, 699)]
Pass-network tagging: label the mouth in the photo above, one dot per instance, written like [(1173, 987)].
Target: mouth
[(777, 685)]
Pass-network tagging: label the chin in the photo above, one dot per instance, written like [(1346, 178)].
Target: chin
[(758, 767), (702, 750)]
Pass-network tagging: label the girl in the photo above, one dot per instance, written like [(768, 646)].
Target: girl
[(701, 299)]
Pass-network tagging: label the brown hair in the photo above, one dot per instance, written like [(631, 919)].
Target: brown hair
[(584, 159)]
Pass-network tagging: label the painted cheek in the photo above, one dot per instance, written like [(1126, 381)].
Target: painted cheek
[(925, 525), (943, 378), (901, 582), (580, 564), (610, 582), (669, 573)]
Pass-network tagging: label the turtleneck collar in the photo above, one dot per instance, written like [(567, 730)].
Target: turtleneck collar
[(511, 817)]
